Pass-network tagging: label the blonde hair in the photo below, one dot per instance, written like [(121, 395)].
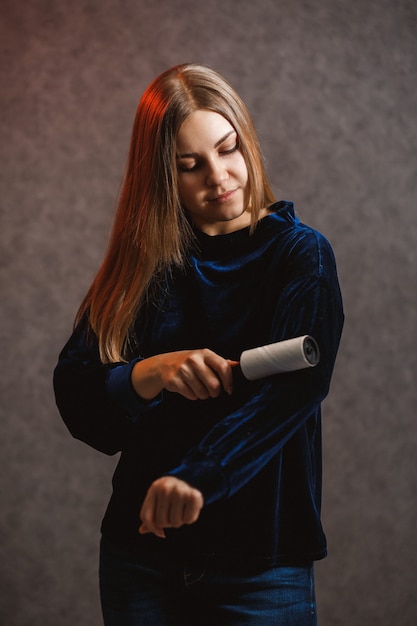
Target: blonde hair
[(151, 232)]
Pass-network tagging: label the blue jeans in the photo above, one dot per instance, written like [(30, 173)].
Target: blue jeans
[(155, 592)]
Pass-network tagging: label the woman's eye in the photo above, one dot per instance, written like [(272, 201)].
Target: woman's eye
[(188, 168), (194, 165), (230, 150)]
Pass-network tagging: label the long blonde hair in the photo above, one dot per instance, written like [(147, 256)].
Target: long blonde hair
[(151, 232)]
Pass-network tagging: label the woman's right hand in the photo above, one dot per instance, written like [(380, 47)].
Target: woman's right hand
[(195, 374)]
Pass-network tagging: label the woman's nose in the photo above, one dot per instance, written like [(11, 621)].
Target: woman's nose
[(217, 173)]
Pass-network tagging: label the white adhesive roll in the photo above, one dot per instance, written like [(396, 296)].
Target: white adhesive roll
[(283, 356)]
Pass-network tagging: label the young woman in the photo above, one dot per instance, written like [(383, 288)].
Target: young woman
[(215, 512)]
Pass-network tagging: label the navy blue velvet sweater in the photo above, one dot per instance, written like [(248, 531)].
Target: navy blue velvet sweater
[(255, 455)]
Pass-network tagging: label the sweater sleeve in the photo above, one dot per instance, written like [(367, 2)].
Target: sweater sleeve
[(96, 401), (241, 444)]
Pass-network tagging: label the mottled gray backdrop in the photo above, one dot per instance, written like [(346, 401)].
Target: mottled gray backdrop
[(332, 87)]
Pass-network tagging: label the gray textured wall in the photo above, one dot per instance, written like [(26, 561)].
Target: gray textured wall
[(332, 87)]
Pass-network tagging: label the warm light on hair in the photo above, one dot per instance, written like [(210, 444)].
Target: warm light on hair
[(151, 231)]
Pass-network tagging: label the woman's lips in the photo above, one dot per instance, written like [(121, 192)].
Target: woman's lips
[(223, 197)]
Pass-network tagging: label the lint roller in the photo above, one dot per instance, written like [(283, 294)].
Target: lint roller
[(279, 357)]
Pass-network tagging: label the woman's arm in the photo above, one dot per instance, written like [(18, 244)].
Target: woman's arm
[(88, 401), (100, 402), (241, 444)]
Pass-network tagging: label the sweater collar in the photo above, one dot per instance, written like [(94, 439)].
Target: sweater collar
[(281, 217)]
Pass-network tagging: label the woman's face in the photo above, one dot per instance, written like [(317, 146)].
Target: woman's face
[(212, 174)]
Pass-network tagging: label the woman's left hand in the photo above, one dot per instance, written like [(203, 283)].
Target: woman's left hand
[(169, 503)]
